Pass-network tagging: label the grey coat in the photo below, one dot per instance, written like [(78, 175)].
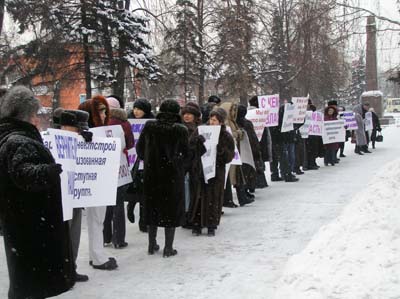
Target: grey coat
[(361, 139)]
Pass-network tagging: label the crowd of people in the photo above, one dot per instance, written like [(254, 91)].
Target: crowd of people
[(171, 189)]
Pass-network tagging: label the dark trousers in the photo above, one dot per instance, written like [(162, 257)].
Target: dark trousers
[(75, 231), (330, 156), (280, 156), (300, 154), (114, 223)]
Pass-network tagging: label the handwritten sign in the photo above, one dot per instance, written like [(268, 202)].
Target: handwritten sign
[(300, 105), (368, 121), (316, 124), (288, 117), (209, 159), (271, 104), (259, 118), (137, 125)]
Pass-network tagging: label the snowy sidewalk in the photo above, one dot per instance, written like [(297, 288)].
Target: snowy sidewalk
[(249, 253)]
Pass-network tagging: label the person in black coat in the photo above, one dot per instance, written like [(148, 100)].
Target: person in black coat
[(376, 126), (163, 147), (37, 242), (141, 110)]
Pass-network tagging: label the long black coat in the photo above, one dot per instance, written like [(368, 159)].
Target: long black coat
[(37, 242), (163, 147)]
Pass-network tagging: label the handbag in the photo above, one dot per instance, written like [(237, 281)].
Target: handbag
[(379, 137)]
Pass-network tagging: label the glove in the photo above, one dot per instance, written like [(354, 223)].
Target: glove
[(201, 139), (129, 211), (54, 170), (87, 136)]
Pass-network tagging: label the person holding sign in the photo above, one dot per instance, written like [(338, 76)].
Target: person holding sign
[(376, 126), (359, 134), (207, 209), (99, 114), (330, 114), (114, 223), (36, 239), (74, 121), (194, 178), (141, 110), (163, 147)]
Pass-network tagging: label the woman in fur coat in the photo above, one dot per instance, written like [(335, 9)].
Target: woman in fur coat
[(163, 147), (36, 239), (207, 208)]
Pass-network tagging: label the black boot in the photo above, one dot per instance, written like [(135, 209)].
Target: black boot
[(249, 195), (153, 246), (169, 240), (358, 151), (242, 197)]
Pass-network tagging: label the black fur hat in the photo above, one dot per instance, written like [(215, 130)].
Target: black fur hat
[(143, 105), (170, 106), (75, 118), (254, 101), (191, 108), (214, 99)]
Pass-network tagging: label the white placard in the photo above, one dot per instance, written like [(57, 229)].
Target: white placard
[(316, 124), (116, 131), (334, 131), (287, 121), (300, 104), (137, 125), (259, 118), (90, 169), (209, 159), (368, 121), (350, 119)]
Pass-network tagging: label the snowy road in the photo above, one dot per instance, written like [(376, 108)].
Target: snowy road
[(251, 248)]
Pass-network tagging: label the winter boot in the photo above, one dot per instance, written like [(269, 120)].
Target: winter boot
[(242, 196), (169, 240), (358, 151), (153, 246)]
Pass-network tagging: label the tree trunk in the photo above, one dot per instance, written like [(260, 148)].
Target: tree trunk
[(2, 4), (86, 52), (200, 25)]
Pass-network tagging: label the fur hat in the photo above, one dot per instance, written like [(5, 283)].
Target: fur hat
[(332, 103), (20, 103), (143, 105), (220, 114), (75, 118), (113, 103), (170, 106), (56, 117), (242, 111), (214, 99), (254, 101), (192, 108)]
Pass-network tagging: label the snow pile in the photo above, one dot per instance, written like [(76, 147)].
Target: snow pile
[(358, 254), (372, 93)]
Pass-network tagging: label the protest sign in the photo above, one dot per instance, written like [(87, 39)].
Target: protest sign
[(334, 131), (304, 129), (90, 176), (236, 159), (300, 105), (209, 159), (116, 131), (259, 118), (246, 153), (67, 162), (271, 104), (368, 121), (350, 120), (137, 126), (316, 124), (287, 121)]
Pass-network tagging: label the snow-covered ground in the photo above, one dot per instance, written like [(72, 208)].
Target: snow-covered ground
[(264, 250)]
